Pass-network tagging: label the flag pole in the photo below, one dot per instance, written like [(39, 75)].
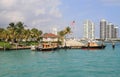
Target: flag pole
[(73, 28)]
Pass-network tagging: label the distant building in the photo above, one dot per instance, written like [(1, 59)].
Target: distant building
[(116, 32), (111, 30), (89, 30), (103, 26), (108, 30), (54, 31)]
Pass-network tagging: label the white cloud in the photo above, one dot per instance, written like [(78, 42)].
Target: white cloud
[(41, 21), (32, 12), (39, 11), (12, 16), (7, 3), (55, 12)]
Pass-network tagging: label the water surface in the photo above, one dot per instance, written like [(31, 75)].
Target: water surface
[(61, 63)]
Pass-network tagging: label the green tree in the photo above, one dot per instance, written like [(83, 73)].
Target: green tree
[(11, 30), (26, 34), (63, 33), (67, 30), (19, 31), (4, 35), (15, 32), (35, 34), (1, 33)]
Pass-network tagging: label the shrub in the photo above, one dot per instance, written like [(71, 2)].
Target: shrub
[(6, 44)]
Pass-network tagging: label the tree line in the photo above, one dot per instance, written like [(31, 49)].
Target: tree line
[(16, 32)]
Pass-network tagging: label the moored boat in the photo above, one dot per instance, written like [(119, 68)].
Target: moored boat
[(93, 45), (33, 48), (46, 47)]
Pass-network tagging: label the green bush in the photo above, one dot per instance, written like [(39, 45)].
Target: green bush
[(6, 44), (28, 43)]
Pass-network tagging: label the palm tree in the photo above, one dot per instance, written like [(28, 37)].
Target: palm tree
[(61, 33), (64, 32), (1, 33), (6, 35), (20, 31), (35, 34), (39, 33), (67, 30), (26, 34), (11, 30), (20, 25), (17, 32)]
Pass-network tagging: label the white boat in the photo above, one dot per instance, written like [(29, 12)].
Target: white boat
[(33, 48)]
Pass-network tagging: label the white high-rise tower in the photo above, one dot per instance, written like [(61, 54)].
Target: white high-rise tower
[(89, 30)]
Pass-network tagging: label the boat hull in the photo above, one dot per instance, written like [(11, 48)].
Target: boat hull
[(46, 49), (93, 47)]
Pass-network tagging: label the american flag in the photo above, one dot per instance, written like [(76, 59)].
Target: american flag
[(72, 23)]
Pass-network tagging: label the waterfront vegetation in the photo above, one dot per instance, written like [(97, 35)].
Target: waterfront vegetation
[(18, 33), (63, 33), (5, 44)]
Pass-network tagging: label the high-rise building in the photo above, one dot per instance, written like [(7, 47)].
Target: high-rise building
[(108, 30), (115, 32), (103, 30), (89, 30)]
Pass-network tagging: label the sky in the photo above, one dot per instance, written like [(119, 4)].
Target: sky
[(47, 14)]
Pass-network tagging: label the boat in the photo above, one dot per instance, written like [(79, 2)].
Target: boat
[(33, 48), (46, 47), (93, 45)]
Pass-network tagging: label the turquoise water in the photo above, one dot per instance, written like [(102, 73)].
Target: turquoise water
[(61, 63)]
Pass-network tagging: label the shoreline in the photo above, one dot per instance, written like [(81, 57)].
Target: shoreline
[(29, 47), (14, 48)]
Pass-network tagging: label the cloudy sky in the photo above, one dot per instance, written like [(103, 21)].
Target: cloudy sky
[(46, 14)]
